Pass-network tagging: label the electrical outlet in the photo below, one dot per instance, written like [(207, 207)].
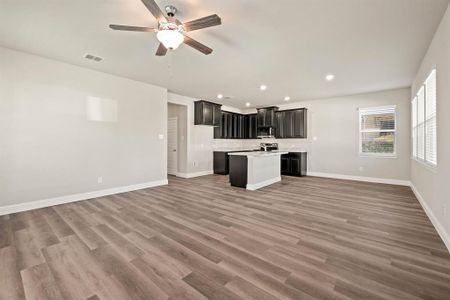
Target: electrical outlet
[(194, 163), (100, 179)]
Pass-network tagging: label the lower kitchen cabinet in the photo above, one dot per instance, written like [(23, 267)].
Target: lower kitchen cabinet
[(294, 164), (221, 161)]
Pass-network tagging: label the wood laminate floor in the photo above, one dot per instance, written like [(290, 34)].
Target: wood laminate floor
[(303, 238)]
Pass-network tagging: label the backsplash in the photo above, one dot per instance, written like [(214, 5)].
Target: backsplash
[(283, 144)]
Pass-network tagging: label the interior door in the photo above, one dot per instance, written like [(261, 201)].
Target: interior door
[(172, 146)]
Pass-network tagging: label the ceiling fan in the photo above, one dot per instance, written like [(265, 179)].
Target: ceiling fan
[(171, 32)]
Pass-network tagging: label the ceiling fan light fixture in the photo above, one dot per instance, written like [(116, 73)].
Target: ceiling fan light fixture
[(170, 38)]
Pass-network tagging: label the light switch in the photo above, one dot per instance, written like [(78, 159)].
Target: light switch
[(161, 136)]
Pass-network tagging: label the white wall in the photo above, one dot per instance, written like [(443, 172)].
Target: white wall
[(433, 185), (48, 148), (333, 136)]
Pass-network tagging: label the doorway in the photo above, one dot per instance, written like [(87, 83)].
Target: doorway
[(172, 146)]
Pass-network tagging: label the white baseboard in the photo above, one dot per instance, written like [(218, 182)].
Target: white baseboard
[(361, 178), (256, 186), (445, 236), (196, 174), (9, 209)]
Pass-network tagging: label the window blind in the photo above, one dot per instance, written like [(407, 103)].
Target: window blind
[(414, 126), (424, 121), (430, 119), (377, 130), (421, 123)]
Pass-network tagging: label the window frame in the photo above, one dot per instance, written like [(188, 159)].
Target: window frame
[(424, 161), (373, 154)]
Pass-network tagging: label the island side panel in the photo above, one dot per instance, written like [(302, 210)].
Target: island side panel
[(263, 171), (238, 170)]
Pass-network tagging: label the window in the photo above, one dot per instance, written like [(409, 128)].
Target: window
[(377, 128), (424, 129)]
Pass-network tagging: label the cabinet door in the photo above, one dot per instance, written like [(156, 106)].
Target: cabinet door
[(279, 124), (241, 126), (207, 113), (261, 121), (216, 115), (246, 126), (269, 118), (295, 166), (235, 126), (228, 126), (285, 164), (224, 125), (218, 130), (252, 126), (288, 124), (299, 123)]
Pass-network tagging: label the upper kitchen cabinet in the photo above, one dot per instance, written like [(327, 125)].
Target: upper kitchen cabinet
[(299, 123), (291, 124), (207, 113), (266, 116), (251, 127)]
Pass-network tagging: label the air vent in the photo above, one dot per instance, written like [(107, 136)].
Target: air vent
[(93, 57)]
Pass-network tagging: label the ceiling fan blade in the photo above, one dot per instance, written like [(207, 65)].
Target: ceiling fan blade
[(131, 28), (161, 50), (154, 9), (204, 22), (197, 45)]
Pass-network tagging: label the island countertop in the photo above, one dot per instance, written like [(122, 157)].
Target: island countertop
[(259, 153)]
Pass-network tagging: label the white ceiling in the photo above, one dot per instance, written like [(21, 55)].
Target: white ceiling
[(289, 45)]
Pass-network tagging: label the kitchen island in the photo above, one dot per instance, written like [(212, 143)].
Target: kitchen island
[(254, 170)]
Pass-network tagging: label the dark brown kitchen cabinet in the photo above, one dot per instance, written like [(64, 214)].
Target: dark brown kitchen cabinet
[(291, 123), (279, 124), (207, 113), (266, 116), (299, 123), (242, 128), (251, 130), (294, 164), (236, 126), (285, 164)]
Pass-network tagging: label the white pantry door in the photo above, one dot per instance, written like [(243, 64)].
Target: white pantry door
[(172, 146)]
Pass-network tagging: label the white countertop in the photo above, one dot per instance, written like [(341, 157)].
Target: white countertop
[(293, 150), (260, 153), (231, 149), (248, 149)]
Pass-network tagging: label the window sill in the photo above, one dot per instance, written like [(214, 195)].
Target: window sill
[(425, 165)]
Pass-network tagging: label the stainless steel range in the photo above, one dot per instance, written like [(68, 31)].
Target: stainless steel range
[(268, 146)]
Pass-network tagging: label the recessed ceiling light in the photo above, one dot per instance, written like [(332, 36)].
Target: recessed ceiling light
[(263, 87), (247, 104), (219, 96), (287, 98), (329, 77)]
